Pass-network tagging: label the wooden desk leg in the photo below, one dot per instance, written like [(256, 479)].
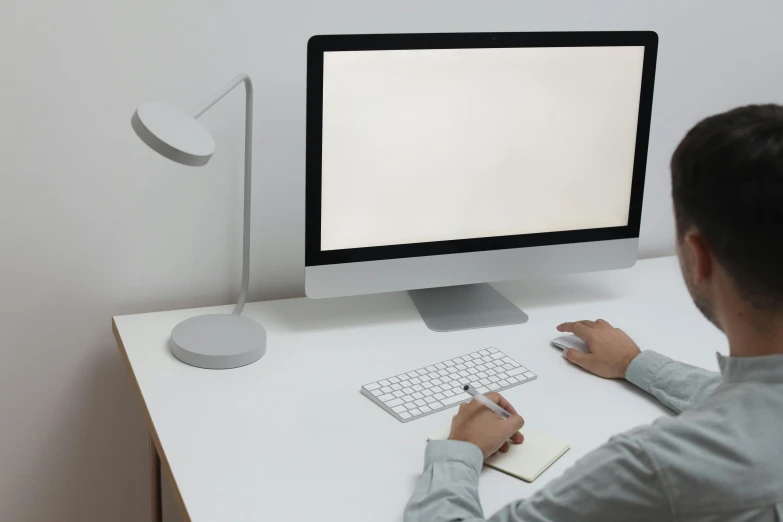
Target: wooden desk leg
[(156, 500)]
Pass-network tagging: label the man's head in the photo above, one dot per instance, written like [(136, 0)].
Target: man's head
[(727, 186)]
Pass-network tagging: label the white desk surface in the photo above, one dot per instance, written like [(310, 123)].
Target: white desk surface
[(291, 438)]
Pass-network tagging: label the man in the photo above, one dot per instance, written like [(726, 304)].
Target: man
[(721, 458)]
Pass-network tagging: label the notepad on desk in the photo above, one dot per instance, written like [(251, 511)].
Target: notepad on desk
[(524, 461)]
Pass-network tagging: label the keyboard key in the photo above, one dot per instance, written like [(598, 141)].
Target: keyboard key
[(415, 380), (394, 402), (422, 371), (436, 405), (411, 375), (384, 382), (425, 378), (461, 367), (372, 386), (486, 359), (439, 396), (458, 360), (415, 411), (498, 355), (427, 385), (418, 395), (492, 350), (405, 383), (430, 400), (470, 364), (399, 409), (430, 369), (448, 393), (440, 366), (410, 405), (419, 402), (455, 399), (405, 415), (490, 371), (512, 380), (484, 382), (502, 375), (425, 408), (394, 380), (386, 389), (443, 372), (407, 391), (396, 387), (427, 393), (529, 375), (436, 381), (482, 389), (493, 378), (417, 387), (398, 394), (386, 397), (449, 363), (437, 389), (481, 367), (509, 360), (503, 382), (516, 371), (493, 386), (483, 352), (481, 375), (377, 392), (508, 367)]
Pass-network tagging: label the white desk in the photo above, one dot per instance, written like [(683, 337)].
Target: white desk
[(291, 438)]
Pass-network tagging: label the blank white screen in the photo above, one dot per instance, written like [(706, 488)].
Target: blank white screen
[(429, 145)]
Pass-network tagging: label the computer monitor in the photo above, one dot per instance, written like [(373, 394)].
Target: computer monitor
[(439, 161)]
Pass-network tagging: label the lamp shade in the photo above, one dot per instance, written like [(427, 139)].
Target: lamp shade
[(173, 133)]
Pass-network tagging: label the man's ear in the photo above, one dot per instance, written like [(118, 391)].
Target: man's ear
[(699, 256)]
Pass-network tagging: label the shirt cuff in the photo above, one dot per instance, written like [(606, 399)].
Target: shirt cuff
[(644, 368), (454, 451)]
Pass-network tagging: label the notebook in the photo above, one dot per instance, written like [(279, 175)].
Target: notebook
[(524, 461)]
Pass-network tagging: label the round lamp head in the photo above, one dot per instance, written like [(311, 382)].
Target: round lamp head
[(173, 133)]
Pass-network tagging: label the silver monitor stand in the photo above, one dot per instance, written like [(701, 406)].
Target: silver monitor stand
[(465, 307)]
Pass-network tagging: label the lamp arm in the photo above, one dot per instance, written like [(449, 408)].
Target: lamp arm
[(248, 167)]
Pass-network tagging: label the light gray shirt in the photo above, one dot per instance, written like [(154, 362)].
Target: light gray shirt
[(720, 459)]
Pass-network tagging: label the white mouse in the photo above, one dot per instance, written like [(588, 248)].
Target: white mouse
[(570, 341)]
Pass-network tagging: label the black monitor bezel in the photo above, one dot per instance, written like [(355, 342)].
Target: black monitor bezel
[(320, 44)]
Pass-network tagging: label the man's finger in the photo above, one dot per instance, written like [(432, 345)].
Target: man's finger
[(578, 329), (589, 324), (603, 323), (577, 357), (502, 402), (505, 447), (517, 438)]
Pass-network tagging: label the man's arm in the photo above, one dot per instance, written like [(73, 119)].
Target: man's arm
[(618, 481), (677, 385), (614, 355)]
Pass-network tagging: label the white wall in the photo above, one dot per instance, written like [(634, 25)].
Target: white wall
[(93, 224)]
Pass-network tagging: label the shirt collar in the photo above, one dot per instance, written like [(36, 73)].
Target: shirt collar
[(761, 368)]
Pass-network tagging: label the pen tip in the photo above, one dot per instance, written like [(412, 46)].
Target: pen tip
[(465, 387)]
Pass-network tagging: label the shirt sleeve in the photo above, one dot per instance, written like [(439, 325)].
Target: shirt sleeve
[(677, 385), (616, 482)]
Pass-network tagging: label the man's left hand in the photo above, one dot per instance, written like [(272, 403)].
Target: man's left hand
[(486, 429)]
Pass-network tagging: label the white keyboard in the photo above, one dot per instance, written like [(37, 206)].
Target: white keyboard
[(421, 392)]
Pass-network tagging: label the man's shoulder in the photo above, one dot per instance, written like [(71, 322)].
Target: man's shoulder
[(705, 455)]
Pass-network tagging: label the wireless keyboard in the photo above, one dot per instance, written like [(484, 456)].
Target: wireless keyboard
[(427, 390)]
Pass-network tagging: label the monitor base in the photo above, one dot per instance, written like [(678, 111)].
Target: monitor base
[(465, 307)]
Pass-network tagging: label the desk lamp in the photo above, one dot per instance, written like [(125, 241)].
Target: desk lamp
[(215, 341)]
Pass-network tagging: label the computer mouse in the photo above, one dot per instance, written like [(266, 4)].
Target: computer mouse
[(570, 341)]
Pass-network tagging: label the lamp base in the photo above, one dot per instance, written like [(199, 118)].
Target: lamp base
[(218, 342)]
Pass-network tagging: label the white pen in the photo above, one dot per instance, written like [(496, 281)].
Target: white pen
[(486, 402)]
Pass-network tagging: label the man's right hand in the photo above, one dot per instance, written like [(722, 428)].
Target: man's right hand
[(610, 349)]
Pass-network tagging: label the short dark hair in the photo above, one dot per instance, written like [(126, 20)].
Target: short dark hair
[(727, 182)]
